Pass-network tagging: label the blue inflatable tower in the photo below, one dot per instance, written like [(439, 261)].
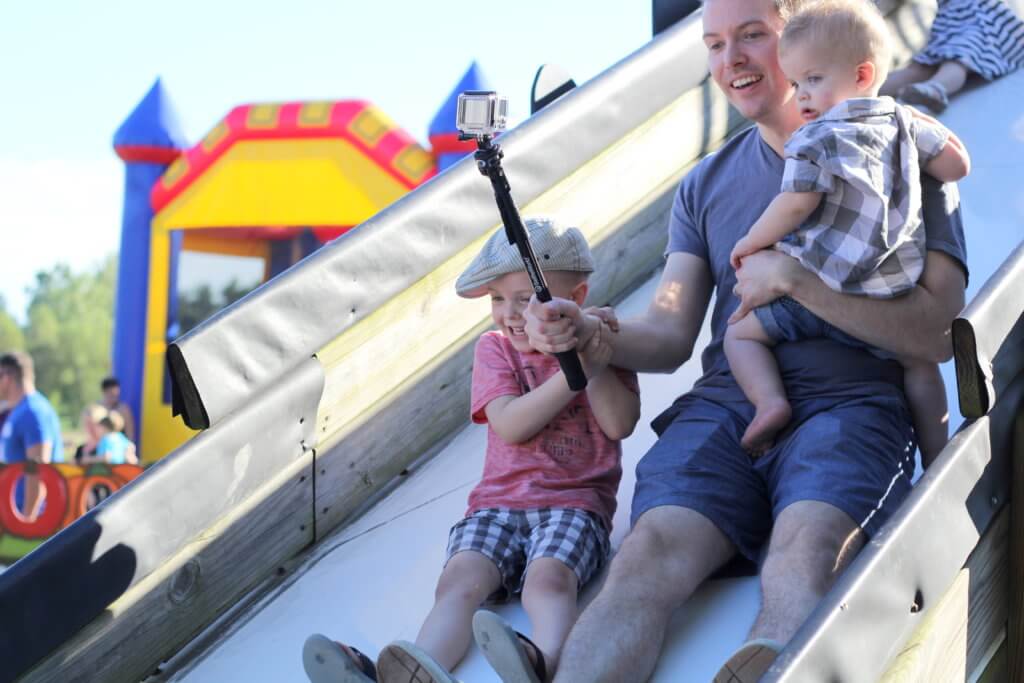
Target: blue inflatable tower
[(148, 141)]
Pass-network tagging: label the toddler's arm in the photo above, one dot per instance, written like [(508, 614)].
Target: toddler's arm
[(953, 162), (784, 215), (615, 406)]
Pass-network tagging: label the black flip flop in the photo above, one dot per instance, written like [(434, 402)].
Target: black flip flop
[(326, 661), (506, 650)]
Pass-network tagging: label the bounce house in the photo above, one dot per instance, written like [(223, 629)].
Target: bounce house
[(267, 186)]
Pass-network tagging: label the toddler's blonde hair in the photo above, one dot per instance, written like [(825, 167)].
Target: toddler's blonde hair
[(853, 31)]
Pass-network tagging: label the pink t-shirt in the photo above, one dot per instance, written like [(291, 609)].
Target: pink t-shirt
[(568, 464)]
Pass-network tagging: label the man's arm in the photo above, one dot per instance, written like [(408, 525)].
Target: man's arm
[(915, 325), (37, 454), (660, 340)]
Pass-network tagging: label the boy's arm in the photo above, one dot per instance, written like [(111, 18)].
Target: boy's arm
[(784, 215), (616, 407), (519, 418)]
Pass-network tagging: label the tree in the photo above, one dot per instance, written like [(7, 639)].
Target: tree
[(199, 303), (11, 337), (69, 331)]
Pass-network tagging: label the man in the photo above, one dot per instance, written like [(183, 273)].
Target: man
[(805, 507), (31, 432), (111, 387)]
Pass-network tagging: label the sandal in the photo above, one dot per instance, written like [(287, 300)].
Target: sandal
[(749, 663), (328, 661), (506, 650), (927, 93), (405, 662)]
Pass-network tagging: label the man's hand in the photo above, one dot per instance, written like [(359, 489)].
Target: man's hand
[(558, 325), (605, 314), (763, 277)]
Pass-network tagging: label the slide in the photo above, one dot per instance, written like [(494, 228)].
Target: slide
[(335, 399)]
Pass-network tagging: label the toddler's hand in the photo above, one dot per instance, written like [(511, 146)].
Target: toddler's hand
[(605, 314), (742, 249), (596, 352)]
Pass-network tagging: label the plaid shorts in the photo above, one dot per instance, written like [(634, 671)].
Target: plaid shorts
[(512, 539)]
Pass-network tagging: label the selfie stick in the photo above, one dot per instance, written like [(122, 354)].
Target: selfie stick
[(488, 159)]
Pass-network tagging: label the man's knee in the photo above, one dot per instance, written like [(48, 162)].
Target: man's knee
[(814, 540), (669, 551)]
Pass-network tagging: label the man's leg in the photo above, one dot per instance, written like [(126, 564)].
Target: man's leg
[(668, 553), (811, 544)]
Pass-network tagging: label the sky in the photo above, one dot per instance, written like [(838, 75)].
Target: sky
[(72, 71)]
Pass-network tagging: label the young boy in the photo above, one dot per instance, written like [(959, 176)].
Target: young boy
[(538, 521), (113, 446), (849, 210)]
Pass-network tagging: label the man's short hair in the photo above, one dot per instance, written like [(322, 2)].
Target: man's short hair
[(20, 365), (110, 383), (853, 31)]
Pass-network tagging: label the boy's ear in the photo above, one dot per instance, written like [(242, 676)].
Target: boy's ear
[(866, 73), (579, 293)]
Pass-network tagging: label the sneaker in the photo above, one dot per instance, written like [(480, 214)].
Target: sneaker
[(930, 94)]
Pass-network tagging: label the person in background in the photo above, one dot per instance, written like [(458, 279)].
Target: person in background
[(112, 447), (31, 432), (111, 387), (982, 37), (91, 416)]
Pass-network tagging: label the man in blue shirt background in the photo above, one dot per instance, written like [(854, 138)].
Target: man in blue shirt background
[(31, 432)]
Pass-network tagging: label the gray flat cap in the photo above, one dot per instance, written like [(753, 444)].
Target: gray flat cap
[(556, 248)]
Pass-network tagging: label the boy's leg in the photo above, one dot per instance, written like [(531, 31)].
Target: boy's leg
[(753, 364), (549, 598), (466, 581), (926, 394)]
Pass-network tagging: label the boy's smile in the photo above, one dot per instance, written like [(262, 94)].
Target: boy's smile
[(510, 294)]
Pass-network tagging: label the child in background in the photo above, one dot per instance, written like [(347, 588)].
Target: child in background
[(113, 446), (982, 37), (539, 520), (849, 210)]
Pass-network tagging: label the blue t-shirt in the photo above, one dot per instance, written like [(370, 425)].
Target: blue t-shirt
[(715, 206), (113, 447), (32, 422)]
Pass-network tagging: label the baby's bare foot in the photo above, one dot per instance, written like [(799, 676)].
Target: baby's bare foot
[(769, 418)]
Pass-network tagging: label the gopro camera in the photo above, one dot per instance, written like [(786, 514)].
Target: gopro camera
[(481, 113)]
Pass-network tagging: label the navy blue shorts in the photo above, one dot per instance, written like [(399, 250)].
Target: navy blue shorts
[(856, 455), (785, 319)]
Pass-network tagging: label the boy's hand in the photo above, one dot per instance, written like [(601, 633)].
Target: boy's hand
[(558, 325), (596, 352), (743, 248), (605, 314)]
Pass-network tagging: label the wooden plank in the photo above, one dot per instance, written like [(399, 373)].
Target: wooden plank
[(161, 613), (957, 633)]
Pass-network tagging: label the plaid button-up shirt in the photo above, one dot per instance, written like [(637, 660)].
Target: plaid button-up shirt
[(866, 237)]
